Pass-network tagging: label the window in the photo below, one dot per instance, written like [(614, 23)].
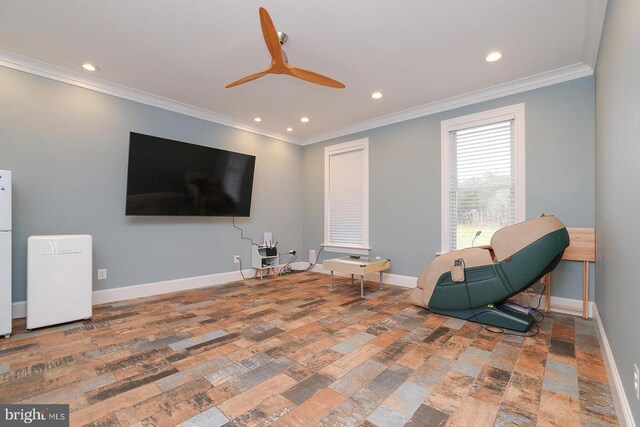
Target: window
[(483, 186), (346, 197)]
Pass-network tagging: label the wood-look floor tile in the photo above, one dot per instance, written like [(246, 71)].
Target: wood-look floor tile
[(67, 392), (426, 416), (313, 410), (288, 351), (558, 409), (448, 395), (523, 392), (243, 402), (97, 410), (475, 413)]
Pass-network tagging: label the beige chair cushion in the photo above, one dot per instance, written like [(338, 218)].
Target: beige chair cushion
[(509, 240), (473, 257)]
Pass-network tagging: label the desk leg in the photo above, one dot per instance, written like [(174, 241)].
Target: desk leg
[(331, 285), (547, 292), (352, 279), (361, 286), (381, 280), (585, 289)]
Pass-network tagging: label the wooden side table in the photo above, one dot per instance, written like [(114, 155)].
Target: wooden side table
[(359, 266), (582, 247)]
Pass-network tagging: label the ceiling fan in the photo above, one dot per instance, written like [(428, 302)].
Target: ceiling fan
[(279, 61)]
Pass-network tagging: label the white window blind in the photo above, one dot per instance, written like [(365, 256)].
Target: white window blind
[(483, 175), (346, 197), (482, 182)]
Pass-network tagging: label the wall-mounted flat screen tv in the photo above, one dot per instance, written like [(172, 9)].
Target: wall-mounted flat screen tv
[(167, 177)]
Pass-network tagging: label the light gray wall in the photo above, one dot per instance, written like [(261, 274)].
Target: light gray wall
[(617, 187), (404, 181), (68, 150)]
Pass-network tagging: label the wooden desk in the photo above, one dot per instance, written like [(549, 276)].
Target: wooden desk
[(582, 247)]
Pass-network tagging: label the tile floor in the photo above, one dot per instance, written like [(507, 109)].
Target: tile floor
[(288, 352)]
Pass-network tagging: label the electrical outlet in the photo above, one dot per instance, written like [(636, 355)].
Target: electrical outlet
[(102, 274), (636, 381), (236, 259), (312, 256)]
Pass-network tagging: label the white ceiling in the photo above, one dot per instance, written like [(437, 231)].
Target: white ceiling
[(417, 52)]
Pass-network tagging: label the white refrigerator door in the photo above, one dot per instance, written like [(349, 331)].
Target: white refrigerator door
[(5, 200), (5, 283), (59, 279)]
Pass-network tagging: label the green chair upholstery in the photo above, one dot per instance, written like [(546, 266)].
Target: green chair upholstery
[(519, 256)]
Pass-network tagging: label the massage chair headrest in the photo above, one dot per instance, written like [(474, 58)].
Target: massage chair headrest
[(509, 240)]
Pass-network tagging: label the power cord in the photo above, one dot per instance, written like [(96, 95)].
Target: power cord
[(241, 273), (286, 269), (233, 221), (317, 258), (242, 232), (291, 271), (544, 288)]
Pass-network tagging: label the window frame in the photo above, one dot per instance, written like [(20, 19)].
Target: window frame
[(345, 147), (514, 112)]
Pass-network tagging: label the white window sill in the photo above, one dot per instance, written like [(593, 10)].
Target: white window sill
[(351, 250)]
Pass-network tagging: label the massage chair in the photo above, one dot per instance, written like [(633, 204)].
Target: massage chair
[(475, 283)]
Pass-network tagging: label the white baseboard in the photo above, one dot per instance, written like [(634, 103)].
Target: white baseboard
[(623, 410), (565, 305), (19, 308), (167, 286)]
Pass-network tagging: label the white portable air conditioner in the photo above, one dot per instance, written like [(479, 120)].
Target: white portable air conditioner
[(59, 279)]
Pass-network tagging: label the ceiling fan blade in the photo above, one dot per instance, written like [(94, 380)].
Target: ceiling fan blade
[(316, 78), (270, 36), (248, 78)]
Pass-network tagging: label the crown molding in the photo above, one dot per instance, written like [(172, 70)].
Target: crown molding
[(32, 66), (536, 81)]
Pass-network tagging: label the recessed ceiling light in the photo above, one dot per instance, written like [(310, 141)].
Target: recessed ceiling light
[(289, 129), (376, 95), (257, 119), (89, 67), (493, 57), (304, 119)]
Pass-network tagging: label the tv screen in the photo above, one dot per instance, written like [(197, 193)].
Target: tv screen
[(167, 177)]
